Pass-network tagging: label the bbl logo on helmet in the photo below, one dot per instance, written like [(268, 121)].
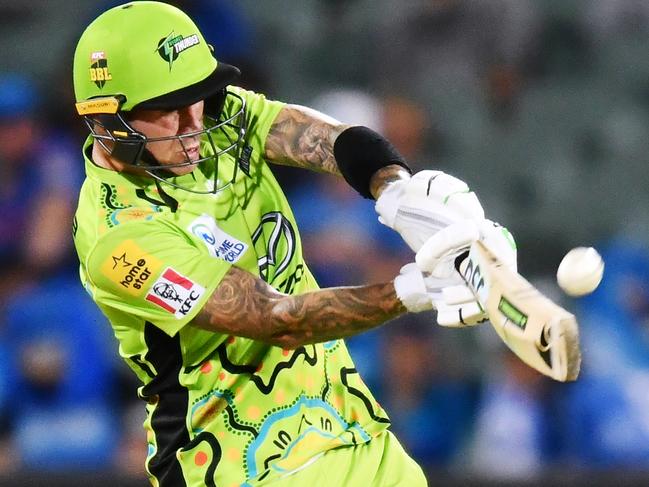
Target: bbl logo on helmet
[(99, 73), (171, 46)]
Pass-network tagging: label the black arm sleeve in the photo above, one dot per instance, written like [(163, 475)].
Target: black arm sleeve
[(360, 152)]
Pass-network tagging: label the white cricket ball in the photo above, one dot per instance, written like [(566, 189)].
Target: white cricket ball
[(580, 271)]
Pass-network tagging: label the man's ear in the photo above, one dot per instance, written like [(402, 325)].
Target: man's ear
[(117, 137)]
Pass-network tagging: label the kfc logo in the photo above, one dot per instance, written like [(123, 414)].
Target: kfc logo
[(175, 293)]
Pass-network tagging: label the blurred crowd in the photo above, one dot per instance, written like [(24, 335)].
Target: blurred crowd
[(543, 107)]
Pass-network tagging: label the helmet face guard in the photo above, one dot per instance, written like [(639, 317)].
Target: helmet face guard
[(220, 135), (151, 55)]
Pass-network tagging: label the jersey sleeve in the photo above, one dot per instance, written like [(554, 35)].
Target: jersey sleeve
[(154, 271), (261, 115)]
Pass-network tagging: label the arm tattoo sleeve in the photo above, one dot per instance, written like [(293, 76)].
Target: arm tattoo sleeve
[(245, 305), (303, 137)]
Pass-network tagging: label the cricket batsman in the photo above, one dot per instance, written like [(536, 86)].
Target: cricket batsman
[(188, 245)]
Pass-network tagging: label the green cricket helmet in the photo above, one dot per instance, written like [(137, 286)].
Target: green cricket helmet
[(151, 55)]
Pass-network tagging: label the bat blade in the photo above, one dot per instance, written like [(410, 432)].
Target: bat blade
[(540, 332)]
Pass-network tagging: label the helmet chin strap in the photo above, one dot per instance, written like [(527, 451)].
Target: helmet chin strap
[(158, 175), (168, 200)]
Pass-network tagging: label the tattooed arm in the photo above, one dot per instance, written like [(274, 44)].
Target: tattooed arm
[(303, 137), (244, 305)]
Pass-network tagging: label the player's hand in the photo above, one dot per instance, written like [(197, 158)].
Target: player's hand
[(443, 258), (440, 286), (426, 203), (500, 241), (458, 307), (455, 304), (410, 286)]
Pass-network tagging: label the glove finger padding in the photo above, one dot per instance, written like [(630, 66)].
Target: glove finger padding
[(454, 301), (416, 225), (500, 241), (458, 306), (437, 255), (459, 315), (450, 191), (455, 304), (457, 295), (426, 203)]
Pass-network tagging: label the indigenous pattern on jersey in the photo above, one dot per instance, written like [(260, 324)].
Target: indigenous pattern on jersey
[(222, 410)]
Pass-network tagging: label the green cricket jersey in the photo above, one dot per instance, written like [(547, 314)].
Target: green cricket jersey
[(222, 410)]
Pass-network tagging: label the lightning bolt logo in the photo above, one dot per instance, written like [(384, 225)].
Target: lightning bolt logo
[(172, 45), (166, 48), (166, 45)]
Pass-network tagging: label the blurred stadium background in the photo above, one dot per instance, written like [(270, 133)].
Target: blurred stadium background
[(542, 106)]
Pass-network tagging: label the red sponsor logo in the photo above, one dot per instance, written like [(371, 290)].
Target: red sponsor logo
[(175, 293)]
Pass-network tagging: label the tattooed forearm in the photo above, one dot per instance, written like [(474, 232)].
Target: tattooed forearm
[(385, 176), (244, 305), (240, 306), (303, 137), (335, 313)]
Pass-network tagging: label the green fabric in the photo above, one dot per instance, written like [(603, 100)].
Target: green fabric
[(380, 463), (234, 408)]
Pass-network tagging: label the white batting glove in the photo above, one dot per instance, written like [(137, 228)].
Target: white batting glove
[(429, 201), (442, 287), (442, 261), (458, 308), (410, 286), (501, 242), (455, 304)]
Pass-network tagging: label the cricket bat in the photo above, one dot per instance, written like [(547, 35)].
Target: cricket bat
[(540, 332)]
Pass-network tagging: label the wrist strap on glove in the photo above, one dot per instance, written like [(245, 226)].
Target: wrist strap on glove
[(411, 289)]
